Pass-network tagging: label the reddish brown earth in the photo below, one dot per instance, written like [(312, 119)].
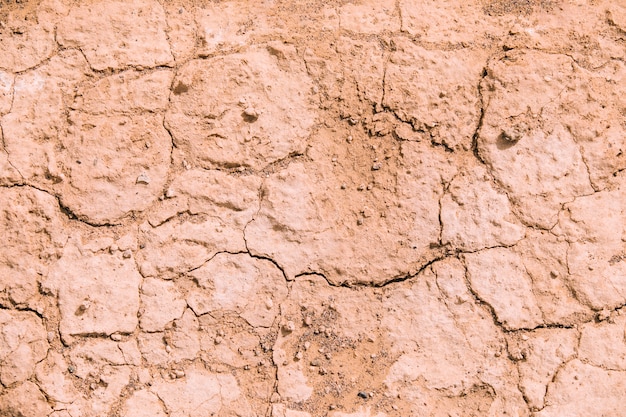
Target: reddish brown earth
[(313, 208)]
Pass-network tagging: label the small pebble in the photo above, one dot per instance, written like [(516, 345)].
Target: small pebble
[(168, 348), (349, 139), (269, 303), (361, 187), (50, 336), (71, 369), (170, 193), (127, 254), (143, 179), (251, 113), (359, 222), (307, 345), (116, 337), (218, 340), (376, 166), (289, 327), (298, 356), (179, 373), (554, 274), (315, 362), (344, 186), (362, 394), (113, 248), (308, 321), (323, 371)]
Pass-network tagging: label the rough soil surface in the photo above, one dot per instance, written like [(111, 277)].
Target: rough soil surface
[(362, 208)]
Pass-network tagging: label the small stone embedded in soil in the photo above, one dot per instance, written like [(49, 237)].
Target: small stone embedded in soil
[(363, 394), (143, 179), (289, 327)]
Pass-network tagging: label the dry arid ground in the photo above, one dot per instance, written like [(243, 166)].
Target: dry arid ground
[(366, 208)]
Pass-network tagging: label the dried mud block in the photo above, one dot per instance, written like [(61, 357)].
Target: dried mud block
[(616, 16), (435, 91), (8, 174), (476, 216), (342, 234), (153, 348), (604, 344), (252, 288), (181, 30), (448, 22), (115, 35), (594, 227), (292, 384), (38, 116), (539, 355), (232, 25), (183, 340), (201, 393), (211, 211), (363, 63), (545, 259), (370, 16), (90, 357), (23, 345), (143, 403), (25, 45), (98, 293), (590, 108), (581, 390), (248, 109), (498, 277), (580, 30), (24, 400), (128, 91), (34, 233), (106, 393), (54, 380), (447, 360), (161, 303), (537, 160), (7, 81), (116, 164)]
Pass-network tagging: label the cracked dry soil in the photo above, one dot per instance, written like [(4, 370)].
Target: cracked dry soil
[(312, 208)]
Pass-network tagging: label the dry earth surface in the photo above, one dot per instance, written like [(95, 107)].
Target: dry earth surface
[(313, 208)]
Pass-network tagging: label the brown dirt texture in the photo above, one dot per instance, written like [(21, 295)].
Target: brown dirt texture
[(342, 208)]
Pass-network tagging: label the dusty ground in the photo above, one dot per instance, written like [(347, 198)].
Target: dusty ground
[(311, 208)]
